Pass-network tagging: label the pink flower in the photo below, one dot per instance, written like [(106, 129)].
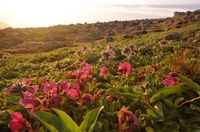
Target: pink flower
[(77, 86), (27, 81), (64, 86), (18, 123), (56, 99), (103, 71), (170, 80), (127, 121), (87, 98), (42, 80), (30, 101), (73, 94), (51, 86), (85, 67), (79, 75), (124, 69)]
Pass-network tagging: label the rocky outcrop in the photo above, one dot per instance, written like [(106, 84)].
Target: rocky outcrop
[(190, 16)]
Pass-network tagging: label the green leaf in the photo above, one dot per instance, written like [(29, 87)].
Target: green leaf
[(169, 103), (176, 113), (90, 119), (195, 119), (13, 98), (105, 126), (98, 126), (178, 100), (126, 92), (149, 129), (50, 121), (150, 112), (75, 111), (114, 105), (174, 126), (67, 123), (149, 78), (158, 108), (189, 82), (167, 92), (184, 123), (58, 77)]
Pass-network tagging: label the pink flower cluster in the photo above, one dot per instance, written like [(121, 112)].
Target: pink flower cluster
[(171, 79), (49, 94), (84, 50), (124, 70), (109, 53), (103, 71), (129, 51)]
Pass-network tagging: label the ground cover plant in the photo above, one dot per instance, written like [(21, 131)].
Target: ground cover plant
[(141, 84)]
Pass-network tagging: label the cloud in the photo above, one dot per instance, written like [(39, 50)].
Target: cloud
[(145, 11), (178, 6), (169, 6), (116, 6)]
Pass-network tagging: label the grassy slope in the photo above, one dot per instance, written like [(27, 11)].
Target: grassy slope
[(59, 61)]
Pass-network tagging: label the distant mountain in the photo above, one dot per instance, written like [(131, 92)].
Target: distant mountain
[(4, 25)]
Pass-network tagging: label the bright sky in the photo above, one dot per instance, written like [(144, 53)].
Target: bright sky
[(44, 13)]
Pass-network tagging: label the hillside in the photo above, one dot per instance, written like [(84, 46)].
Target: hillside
[(139, 75), (60, 45), (32, 40)]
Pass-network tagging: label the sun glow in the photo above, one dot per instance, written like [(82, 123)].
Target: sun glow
[(44, 13)]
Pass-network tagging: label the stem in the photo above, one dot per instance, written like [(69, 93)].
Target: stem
[(189, 101)]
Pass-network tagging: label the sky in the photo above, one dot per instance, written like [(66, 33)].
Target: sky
[(45, 13)]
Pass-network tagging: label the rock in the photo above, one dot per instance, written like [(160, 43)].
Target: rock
[(184, 39), (179, 14), (197, 12), (109, 39), (197, 17), (173, 37), (188, 13)]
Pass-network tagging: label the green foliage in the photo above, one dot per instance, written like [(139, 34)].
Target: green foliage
[(64, 123), (189, 82), (90, 120), (50, 121), (157, 108), (167, 92), (126, 92)]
